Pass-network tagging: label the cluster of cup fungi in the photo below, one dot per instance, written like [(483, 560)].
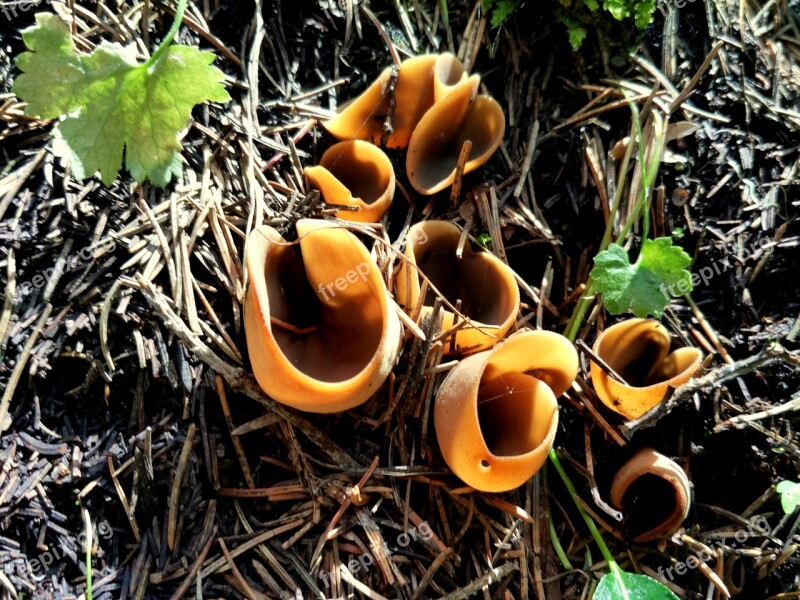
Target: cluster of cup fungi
[(324, 332)]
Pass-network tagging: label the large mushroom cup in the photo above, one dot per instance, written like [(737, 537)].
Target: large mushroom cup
[(322, 332), (496, 412)]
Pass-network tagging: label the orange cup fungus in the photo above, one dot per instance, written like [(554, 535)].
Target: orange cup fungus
[(485, 285), (638, 351), (364, 117), (355, 174), (432, 107), (496, 412), (322, 332)]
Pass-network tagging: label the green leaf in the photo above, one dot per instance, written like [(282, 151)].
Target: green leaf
[(635, 587), (619, 9), (501, 9), (790, 495), (577, 33), (575, 30), (114, 102), (581, 15), (484, 239), (643, 13), (646, 286)]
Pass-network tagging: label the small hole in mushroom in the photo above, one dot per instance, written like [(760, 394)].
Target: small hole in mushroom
[(485, 463)]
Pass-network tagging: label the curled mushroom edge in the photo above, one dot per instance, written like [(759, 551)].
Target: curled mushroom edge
[(435, 147), (364, 116)]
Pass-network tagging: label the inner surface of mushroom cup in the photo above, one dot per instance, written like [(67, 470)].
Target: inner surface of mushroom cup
[(675, 365), (361, 168), (349, 330), (654, 493), (485, 127), (470, 279), (636, 352), (649, 502), (432, 155), (448, 71), (485, 286), (515, 412)]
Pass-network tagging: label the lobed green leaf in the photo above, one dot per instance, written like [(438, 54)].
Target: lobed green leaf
[(646, 286), (112, 102)]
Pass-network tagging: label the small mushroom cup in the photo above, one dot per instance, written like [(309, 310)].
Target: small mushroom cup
[(357, 174), (654, 493), (496, 413), (638, 351), (322, 333)]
